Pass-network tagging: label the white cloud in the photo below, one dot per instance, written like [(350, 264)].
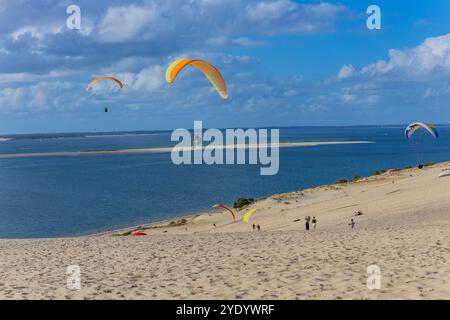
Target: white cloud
[(39, 97), (36, 32), (270, 11), (428, 93), (24, 77), (247, 42), (346, 72), (285, 16), (173, 20), (152, 29), (348, 97), (136, 43), (127, 22), (244, 42), (30, 99), (148, 79), (426, 61)]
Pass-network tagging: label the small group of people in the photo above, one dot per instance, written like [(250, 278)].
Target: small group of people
[(307, 222), (256, 226), (313, 221)]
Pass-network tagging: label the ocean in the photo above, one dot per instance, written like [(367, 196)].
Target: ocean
[(71, 196)]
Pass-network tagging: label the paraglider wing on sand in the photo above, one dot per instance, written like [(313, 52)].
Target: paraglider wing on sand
[(248, 214), (444, 174), (226, 208), (138, 234), (207, 69)]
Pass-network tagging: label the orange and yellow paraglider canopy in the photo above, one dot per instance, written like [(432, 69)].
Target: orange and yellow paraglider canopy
[(120, 84), (207, 69)]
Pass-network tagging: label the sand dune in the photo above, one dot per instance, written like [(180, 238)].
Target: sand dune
[(405, 231)]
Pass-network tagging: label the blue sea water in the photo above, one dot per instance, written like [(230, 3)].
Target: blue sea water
[(68, 196)]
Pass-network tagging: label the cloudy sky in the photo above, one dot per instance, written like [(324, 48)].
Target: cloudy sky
[(286, 63)]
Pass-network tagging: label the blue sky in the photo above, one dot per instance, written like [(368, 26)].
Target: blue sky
[(286, 63)]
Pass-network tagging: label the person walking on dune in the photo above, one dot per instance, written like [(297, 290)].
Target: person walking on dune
[(307, 219), (352, 223), (314, 223)]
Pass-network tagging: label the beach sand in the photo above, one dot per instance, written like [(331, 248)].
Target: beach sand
[(174, 149), (405, 231)]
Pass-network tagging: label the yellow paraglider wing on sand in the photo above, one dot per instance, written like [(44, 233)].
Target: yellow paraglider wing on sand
[(207, 69), (248, 214)]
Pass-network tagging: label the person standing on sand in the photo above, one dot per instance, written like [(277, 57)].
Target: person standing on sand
[(314, 222), (307, 219), (352, 223)]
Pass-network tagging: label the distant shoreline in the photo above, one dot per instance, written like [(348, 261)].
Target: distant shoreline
[(170, 149), (84, 134)]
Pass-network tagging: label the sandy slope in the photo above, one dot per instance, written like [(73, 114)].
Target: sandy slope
[(405, 231)]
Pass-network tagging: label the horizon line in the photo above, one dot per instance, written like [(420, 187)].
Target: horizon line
[(139, 131)]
